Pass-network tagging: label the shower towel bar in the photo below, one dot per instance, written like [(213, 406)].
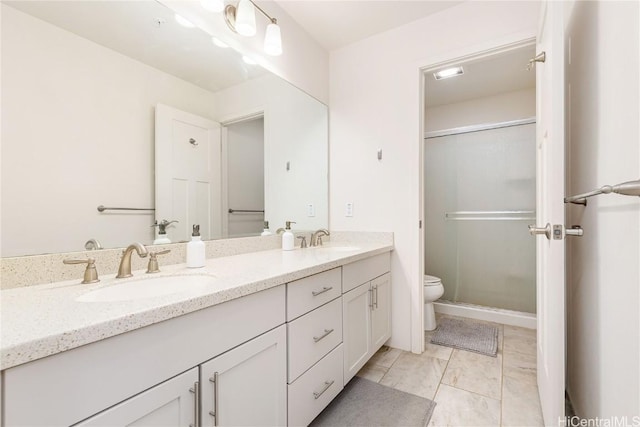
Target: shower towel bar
[(246, 211), (490, 215), (103, 208), (629, 188)]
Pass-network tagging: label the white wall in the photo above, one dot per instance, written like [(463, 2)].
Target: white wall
[(375, 104), (603, 355), (296, 131), (501, 107), (64, 97)]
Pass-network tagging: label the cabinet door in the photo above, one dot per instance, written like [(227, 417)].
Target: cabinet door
[(380, 311), (247, 386), (171, 403), (356, 315)]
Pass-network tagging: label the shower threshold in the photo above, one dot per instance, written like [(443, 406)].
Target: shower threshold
[(490, 314)]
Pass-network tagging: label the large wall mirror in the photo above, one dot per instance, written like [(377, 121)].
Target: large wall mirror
[(115, 104)]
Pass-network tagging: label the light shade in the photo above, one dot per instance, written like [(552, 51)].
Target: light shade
[(213, 5), (273, 40), (245, 18)]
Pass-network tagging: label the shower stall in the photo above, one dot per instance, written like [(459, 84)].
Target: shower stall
[(479, 197)]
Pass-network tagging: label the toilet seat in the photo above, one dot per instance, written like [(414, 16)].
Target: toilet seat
[(432, 280)]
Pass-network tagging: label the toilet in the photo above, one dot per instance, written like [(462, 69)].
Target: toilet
[(433, 290)]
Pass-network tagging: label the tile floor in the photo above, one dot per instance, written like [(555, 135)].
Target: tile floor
[(470, 389)]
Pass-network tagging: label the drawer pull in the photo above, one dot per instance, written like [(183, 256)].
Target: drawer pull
[(324, 289), (216, 412), (326, 332), (327, 384)]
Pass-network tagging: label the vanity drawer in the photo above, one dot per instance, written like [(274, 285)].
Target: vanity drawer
[(306, 294), (312, 336), (314, 390), (359, 272)]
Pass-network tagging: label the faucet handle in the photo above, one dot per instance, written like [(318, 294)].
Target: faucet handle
[(90, 273), (303, 242), (153, 266)]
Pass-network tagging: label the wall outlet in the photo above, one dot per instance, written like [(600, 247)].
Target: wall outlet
[(348, 209), (311, 210)]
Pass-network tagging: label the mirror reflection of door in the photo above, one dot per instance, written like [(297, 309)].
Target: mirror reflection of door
[(243, 144), (188, 157)]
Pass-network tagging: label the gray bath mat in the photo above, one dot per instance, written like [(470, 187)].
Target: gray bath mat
[(466, 335), (365, 403)]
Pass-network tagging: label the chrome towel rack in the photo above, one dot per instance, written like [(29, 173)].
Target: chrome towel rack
[(103, 208), (629, 188), (245, 211)]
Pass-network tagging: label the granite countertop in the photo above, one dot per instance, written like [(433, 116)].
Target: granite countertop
[(42, 320)]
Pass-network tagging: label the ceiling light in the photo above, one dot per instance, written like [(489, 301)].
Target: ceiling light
[(184, 21), (242, 20), (448, 72), (219, 42), (248, 60), (213, 5)]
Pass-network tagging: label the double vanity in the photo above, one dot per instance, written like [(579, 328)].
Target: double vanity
[(261, 338)]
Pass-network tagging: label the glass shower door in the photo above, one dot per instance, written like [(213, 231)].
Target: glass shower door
[(479, 198)]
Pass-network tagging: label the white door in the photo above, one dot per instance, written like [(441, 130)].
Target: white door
[(550, 255), (247, 386), (380, 311), (170, 404), (356, 317), (188, 178)]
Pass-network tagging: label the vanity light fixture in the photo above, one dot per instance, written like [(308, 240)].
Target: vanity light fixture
[(448, 72), (184, 21), (241, 19)]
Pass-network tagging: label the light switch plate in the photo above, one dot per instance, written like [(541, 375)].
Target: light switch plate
[(348, 209), (311, 210)]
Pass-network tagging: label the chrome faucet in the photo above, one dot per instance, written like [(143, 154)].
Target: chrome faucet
[(125, 263), (316, 237)]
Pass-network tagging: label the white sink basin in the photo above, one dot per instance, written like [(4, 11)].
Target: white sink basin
[(338, 248), (148, 287)]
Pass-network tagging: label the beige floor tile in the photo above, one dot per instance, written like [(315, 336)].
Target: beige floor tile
[(416, 374), (386, 356), (520, 403), (519, 340), (372, 372), (434, 350), (457, 407), (519, 366), (475, 372)]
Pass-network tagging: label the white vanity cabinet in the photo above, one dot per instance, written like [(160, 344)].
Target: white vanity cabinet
[(247, 386), (171, 404), (314, 328), (366, 306)]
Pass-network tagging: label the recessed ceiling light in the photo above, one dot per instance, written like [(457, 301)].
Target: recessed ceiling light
[(184, 21), (219, 42), (248, 60), (448, 72)]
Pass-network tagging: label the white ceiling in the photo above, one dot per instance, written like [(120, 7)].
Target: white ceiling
[(335, 24), (485, 77)]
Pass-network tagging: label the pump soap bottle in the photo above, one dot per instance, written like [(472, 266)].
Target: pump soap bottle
[(195, 249), (266, 231), (288, 238), (161, 232)]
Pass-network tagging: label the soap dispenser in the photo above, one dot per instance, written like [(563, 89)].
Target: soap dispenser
[(266, 231), (161, 232), (288, 238), (195, 249)]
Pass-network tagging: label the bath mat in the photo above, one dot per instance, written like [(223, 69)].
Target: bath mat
[(467, 335), (365, 403)]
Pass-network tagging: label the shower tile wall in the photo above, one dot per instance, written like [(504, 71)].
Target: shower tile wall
[(483, 257)]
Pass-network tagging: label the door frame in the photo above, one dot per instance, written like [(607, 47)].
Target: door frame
[(426, 66), (246, 115)]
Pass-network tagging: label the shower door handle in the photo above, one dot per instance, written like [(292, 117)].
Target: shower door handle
[(546, 230)]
